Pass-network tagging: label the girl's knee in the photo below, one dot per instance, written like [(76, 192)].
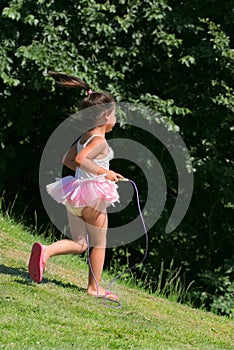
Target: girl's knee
[(82, 244)]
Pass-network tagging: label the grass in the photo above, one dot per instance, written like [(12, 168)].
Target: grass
[(58, 314)]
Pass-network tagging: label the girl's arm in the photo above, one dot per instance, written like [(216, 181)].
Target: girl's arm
[(84, 159), (69, 158)]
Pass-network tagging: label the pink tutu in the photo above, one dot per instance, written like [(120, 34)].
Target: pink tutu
[(73, 192)]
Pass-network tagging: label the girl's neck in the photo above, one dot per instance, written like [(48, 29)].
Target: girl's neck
[(99, 130)]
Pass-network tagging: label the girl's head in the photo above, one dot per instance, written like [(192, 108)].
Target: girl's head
[(103, 111), (92, 99)]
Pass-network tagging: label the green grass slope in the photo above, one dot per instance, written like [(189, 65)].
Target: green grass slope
[(58, 314)]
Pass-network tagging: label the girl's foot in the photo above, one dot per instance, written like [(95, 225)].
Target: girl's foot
[(36, 265), (102, 293)]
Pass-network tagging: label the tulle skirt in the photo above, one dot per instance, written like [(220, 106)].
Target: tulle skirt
[(76, 193)]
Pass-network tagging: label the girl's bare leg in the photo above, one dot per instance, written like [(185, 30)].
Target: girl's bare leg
[(76, 245), (96, 223)]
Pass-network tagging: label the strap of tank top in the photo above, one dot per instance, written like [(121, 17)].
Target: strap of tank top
[(91, 137)]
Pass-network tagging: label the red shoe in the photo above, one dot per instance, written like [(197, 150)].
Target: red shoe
[(36, 266)]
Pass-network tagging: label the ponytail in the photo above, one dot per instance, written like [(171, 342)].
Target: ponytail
[(92, 99), (69, 81)]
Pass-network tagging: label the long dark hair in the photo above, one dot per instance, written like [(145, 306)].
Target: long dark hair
[(92, 99), (100, 101)]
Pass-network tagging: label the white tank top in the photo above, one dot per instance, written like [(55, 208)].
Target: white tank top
[(102, 162)]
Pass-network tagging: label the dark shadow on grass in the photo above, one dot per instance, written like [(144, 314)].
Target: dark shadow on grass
[(26, 279)]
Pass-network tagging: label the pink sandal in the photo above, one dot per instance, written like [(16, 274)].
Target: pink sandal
[(36, 266), (110, 295)]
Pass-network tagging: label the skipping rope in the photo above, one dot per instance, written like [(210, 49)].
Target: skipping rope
[(111, 303)]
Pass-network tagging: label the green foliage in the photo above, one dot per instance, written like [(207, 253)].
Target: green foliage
[(174, 57), (219, 289), (172, 285)]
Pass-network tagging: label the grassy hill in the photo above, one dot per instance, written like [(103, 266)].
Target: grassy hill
[(58, 314)]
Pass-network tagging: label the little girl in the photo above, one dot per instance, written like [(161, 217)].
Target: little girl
[(87, 194)]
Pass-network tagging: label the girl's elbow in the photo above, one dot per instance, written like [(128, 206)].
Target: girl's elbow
[(78, 161)]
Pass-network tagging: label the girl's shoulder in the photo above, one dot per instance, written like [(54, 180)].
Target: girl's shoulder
[(87, 138)]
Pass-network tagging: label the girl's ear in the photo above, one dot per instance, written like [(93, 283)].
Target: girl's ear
[(105, 115)]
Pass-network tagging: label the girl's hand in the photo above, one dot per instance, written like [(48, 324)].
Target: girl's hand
[(113, 176)]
